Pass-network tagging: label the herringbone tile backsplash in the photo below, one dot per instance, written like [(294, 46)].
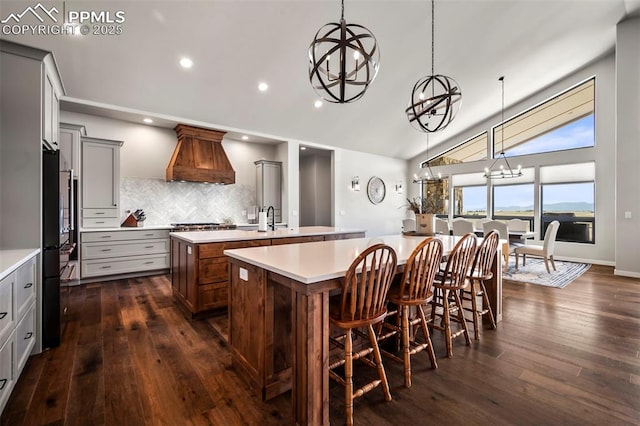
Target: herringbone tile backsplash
[(165, 202)]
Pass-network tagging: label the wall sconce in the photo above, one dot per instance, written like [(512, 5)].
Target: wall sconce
[(399, 188), (355, 183)]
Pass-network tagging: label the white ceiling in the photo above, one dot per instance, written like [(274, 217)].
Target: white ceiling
[(236, 44)]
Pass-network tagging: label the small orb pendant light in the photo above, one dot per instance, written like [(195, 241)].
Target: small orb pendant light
[(435, 99), (343, 61)]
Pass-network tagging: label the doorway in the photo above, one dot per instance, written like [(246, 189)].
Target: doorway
[(316, 199)]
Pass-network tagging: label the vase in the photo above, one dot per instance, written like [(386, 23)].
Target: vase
[(426, 223)]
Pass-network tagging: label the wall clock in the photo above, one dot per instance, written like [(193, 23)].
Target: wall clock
[(376, 190)]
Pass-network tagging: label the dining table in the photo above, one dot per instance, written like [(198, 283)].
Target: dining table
[(279, 314)]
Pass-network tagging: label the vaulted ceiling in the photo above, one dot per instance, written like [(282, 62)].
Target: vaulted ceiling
[(237, 44)]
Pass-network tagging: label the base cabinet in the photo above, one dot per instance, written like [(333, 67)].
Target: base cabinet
[(200, 272)]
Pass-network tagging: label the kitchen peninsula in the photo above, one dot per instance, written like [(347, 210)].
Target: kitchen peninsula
[(279, 314), (199, 268)]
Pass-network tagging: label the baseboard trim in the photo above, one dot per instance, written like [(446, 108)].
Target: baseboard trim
[(117, 277), (630, 274)]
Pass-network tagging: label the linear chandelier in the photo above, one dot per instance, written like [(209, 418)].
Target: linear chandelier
[(435, 99), (500, 168), (343, 61), (426, 174)]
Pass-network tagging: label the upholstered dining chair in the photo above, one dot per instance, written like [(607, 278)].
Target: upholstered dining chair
[(442, 226), (481, 272), (446, 300), (503, 232), (409, 225), (545, 250), (415, 291), (363, 303), (461, 227)]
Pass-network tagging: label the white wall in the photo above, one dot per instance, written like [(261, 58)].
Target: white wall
[(315, 190), (603, 251), (627, 232)]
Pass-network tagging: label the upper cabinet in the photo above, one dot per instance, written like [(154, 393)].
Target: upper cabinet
[(100, 178), (69, 142), (50, 109)]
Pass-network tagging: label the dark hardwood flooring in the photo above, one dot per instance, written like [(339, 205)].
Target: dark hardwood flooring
[(130, 357)]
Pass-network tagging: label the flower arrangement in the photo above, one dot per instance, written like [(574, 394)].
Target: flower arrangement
[(421, 205)]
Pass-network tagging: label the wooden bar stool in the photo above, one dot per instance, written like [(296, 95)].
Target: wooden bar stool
[(363, 304), (415, 291), (481, 272), (446, 301)]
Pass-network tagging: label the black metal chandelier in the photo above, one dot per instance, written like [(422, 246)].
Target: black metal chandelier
[(498, 169), (435, 99), (426, 174), (343, 61)]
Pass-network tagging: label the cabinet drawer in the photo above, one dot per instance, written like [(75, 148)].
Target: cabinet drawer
[(7, 375), (124, 248), (295, 240), (107, 222), (214, 269), (98, 213), (25, 291), (25, 337), (96, 268), (7, 321), (217, 249), (212, 296), (142, 234)]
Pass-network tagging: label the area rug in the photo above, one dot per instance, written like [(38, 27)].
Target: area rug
[(534, 272)]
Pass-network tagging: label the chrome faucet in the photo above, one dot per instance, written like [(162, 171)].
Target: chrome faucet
[(273, 218)]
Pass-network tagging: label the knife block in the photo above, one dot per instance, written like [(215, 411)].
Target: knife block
[(131, 222)]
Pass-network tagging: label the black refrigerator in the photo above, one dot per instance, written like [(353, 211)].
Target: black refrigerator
[(57, 212)]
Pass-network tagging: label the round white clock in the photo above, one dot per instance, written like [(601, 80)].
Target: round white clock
[(376, 190)]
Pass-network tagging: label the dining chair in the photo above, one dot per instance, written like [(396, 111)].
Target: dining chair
[(442, 226), (409, 225), (446, 301), (415, 291), (481, 272), (545, 250), (518, 225), (503, 232), (462, 227), (363, 303)]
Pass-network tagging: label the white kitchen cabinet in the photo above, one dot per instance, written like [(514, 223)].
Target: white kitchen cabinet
[(106, 253), (52, 90), (69, 142), (100, 181), (8, 374), (269, 186)]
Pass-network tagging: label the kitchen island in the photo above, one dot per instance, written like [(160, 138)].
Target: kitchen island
[(200, 270), (279, 314)]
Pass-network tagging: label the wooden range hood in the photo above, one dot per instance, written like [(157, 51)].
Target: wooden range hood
[(199, 157)]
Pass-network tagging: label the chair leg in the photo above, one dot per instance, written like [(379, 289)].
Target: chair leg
[(406, 356), (427, 337), (553, 262), (348, 378), (524, 259), (474, 309), (546, 264), (378, 358), (461, 318), (517, 260), (485, 298), (446, 322)]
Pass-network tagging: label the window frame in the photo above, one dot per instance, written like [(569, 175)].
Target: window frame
[(580, 219)]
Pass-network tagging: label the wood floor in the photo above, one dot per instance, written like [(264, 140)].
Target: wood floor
[(130, 357)]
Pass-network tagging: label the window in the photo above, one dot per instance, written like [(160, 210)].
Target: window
[(473, 149), (564, 122), (568, 196), (436, 197), (470, 201)]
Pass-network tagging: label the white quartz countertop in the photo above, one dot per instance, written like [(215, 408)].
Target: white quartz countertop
[(201, 237), (10, 260), (125, 228), (313, 262)]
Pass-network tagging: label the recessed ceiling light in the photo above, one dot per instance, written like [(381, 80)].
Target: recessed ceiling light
[(186, 63), (148, 120), (317, 103), (263, 86), (245, 138), (302, 148)]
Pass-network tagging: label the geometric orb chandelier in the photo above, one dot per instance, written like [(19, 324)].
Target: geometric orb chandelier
[(500, 168), (343, 61), (435, 99)]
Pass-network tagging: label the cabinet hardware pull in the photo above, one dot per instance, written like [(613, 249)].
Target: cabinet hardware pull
[(106, 236), (28, 285), (28, 336), (149, 263), (99, 212), (105, 267), (99, 222), (3, 314), (148, 235), (3, 382), (148, 246), (105, 250)]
